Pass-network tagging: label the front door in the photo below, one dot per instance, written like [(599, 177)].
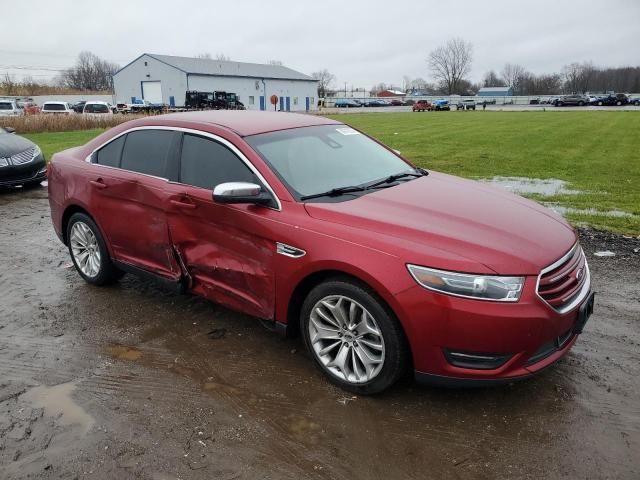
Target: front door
[(127, 198), (228, 250)]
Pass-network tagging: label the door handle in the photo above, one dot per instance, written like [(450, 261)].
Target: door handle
[(98, 183), (180, 204)]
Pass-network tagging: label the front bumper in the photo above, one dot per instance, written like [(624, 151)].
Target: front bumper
[(527, 335), (21, 174)]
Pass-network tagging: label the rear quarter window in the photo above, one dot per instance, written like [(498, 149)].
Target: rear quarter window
[(109, 155)]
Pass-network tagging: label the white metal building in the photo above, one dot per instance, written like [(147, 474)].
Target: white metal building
[(165, 79)]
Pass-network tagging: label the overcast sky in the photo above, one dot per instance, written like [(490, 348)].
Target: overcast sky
[(360, 42)]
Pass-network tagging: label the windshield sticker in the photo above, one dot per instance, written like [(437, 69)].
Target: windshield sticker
[(347, 131)]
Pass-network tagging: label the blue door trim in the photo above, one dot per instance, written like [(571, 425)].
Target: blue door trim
[(262, 104)]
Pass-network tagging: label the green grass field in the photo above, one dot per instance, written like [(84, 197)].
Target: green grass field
[(598, 153)]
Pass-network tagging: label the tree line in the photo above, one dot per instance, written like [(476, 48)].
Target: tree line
[(450, 64)]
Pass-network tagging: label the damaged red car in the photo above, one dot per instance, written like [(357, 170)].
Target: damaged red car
[(382, 267)]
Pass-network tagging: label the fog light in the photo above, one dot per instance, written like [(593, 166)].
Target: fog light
[(477, 361)]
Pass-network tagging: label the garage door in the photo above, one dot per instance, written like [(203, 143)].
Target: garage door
[(152, 92)]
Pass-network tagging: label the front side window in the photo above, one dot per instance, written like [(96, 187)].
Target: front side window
[(148, 151), (316, 159), (109, 155), (206, 163)]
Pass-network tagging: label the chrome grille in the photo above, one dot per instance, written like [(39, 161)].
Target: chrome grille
[(22, 157), (565, 283)]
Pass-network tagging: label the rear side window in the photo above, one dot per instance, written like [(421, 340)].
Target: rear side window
[(206, 163), (147, 151), (96, 108), (109, 155)]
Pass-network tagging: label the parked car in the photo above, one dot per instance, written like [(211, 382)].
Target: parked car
[(635, 101), (78, 107), (422, 106), (57, 108), (9, 108), (440, 105), (534, 101), (397, 103), (376, 103), (571, 100), (466, 105), (301, 220), (123, 108), (30, 108), (347, 103), (21, 160), (486, 101), (97, 108), (612, 99)]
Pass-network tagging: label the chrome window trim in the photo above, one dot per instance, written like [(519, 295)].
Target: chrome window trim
[(584, 291), (212, 136)]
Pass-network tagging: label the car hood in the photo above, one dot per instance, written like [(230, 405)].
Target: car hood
[(10, 144), (449, 222)]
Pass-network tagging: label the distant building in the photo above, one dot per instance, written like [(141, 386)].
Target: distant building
[(391, 93), (165, 79), (495, 92)]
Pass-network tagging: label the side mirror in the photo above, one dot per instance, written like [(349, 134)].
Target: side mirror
[(9, 129), (241, 192)]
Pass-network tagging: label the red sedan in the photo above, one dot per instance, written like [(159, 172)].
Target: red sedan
[(310, 224)]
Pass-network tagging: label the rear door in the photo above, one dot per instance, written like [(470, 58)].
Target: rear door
[(128, 192), (228, 250)]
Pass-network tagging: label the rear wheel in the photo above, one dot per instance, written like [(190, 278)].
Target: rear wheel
[(89, 252), (599, 104), (352, 337), (580, 104), (618, 103)]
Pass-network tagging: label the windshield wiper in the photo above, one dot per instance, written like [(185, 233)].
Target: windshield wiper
[(393, 178), (334, 192)]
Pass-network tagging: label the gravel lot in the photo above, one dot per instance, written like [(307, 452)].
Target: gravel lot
[(133, 382)]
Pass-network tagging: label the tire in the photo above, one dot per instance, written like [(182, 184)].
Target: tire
[(84, 235), (599, 104), (581, 104), (618, 103), (386, 351)]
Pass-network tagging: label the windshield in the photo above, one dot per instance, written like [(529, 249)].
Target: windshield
[(312, 160), (57, 107), (6, 106)]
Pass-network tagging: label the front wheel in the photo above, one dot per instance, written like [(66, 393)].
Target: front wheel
[(89, 251), (353, 338)]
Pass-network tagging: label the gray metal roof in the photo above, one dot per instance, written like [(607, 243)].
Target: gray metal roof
[(494, 89), (207, 66)]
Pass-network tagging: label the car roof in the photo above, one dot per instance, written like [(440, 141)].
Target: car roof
[(54, 103), (242, 122), (96, 102)]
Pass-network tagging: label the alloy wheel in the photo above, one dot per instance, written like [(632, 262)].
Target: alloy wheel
[(346, 339), (85, 249)]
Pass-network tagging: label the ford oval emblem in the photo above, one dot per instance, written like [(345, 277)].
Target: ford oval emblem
[(579, 273)]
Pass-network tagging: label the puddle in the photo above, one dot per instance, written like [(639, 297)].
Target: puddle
[(547, 187), (122, 352), (58, 403), (588, 211)]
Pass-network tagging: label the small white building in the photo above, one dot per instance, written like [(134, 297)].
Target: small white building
[(165, 79)]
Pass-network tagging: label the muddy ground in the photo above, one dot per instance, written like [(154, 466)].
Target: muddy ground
[(131, 381)]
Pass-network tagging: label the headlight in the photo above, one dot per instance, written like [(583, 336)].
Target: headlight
[(36, 152), (479, 287)]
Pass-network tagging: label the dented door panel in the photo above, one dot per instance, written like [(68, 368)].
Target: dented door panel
[(227, 250)]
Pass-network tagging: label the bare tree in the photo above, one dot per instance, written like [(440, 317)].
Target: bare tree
[(223, 57), (491, 79), (449, 63), (89, 73), (325, 79), (204, 56), (8, 84), (276, 62), (513, 75)]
